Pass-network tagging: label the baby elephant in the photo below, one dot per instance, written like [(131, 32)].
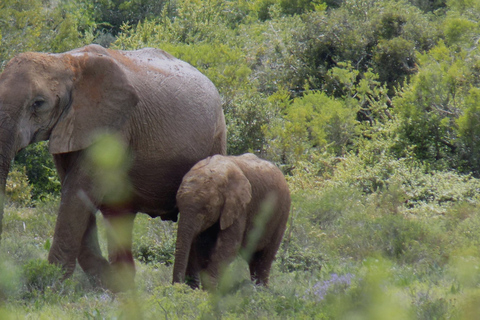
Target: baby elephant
[(227, 203)]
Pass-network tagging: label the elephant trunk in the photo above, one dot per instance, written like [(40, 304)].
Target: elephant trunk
[(3, 180), (5, 160), (185, 236), (7, 153)]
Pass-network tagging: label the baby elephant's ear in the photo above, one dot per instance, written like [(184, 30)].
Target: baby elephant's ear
[(238, 194)]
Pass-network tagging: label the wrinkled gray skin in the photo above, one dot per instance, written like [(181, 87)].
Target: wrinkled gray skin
[(168, 114), (219, 200)]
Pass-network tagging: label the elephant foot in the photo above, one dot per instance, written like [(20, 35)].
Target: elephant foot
[(115, 277), (121, 272), (193, 281), (121, 277), (68, 267)]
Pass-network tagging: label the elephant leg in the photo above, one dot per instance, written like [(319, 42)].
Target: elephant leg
[(73, 225), (73, 221), (199, 256), (260, 265), (119, 236), (223, 253), (68, 237), (90, 257), (192, 274), (261, 261)]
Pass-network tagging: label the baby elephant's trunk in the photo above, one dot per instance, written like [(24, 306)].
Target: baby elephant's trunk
[(185, 234)]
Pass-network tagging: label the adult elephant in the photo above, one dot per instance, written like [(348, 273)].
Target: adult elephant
[(165, 112)]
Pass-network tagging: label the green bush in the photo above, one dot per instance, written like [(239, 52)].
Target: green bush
[(469, 134), (247, 114), (292, 256), (18, 190), (112, 14), (38, 275), (394, 61), (154, 252), (44, 285), (430, 106), (314, 123), (154, 241), (40, 170), (35, 25)]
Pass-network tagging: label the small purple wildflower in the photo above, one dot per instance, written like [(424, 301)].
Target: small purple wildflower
[(336, 283)]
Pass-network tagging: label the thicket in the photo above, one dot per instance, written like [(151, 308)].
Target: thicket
[(370, 107), (299, 79)]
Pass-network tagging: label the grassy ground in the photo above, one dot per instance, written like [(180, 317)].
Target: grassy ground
[(345, 255)]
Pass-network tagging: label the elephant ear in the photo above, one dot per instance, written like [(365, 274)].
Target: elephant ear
[(102, 99), (238, 194)]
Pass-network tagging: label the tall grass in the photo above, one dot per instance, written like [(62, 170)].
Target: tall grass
[(394, 253)]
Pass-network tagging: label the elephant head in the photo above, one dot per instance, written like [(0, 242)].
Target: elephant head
[(61, 97)]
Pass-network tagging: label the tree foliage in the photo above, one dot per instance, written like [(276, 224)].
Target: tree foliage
[(300, 80), (38, 165), (43, 26), (114, 13)]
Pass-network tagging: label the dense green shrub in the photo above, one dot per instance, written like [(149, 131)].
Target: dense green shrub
[(154, 252), (112, 14), (38, 275), (469, 134), (314, 121), (247, 114), (40, 171), (18, 190), (35, 25), (370, 34), (394, 60), (292, 257), (429, 106), (264, 8), (154, 241)]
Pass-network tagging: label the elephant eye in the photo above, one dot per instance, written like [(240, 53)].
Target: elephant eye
[(37, 105)]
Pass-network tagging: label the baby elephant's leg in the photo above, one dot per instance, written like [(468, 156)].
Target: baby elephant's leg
[(192, 277), (261, 261), (224, 252)]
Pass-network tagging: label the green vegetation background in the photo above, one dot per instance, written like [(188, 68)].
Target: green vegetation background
[(370, 107)]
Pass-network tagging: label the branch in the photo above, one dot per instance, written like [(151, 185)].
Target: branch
[(452, 147), (443, 110)]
